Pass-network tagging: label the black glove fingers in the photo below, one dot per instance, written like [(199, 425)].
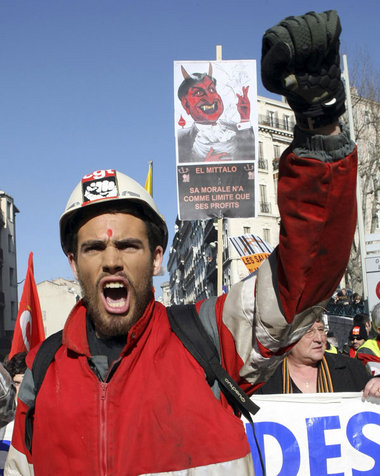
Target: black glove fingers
[(333, 26), (274, 64), (275, 35), (318, 35), (299, 33)]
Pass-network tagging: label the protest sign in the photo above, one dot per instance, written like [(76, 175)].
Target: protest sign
[(316, 435), (252, 250), (216, 138)]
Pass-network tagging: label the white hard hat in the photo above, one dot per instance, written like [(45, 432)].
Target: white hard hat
[(106, 186), (375, 314)]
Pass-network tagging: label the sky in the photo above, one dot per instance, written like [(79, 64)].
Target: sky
[(88, 85)]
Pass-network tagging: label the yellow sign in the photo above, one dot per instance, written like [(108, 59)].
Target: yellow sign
[(252, 262)]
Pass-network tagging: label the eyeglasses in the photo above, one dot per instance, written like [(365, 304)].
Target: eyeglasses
[(357, 338), (312, 332)]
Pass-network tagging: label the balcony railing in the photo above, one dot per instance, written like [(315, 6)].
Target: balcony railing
[(263, 164), (265, 207), (276, 122)]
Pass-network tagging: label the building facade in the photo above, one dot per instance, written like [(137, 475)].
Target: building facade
[(57, 298), (8, 271), (192, 263)]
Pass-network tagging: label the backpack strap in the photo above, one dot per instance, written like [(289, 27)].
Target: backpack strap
[(44, 356), (185, 323)]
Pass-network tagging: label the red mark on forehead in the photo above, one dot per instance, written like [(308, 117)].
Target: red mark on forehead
[(109, 233)]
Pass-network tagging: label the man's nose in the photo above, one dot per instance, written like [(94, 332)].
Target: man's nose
[(319, 336), (210, 97), (112, 262)]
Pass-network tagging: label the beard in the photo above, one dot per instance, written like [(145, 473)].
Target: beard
[(111, 325)]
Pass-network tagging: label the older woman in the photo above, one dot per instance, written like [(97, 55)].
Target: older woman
[(308, 369)]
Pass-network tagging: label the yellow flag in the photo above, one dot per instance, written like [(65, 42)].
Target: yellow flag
[(149, 179)]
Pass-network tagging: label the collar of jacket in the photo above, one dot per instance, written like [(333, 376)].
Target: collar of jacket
[(75, 333)]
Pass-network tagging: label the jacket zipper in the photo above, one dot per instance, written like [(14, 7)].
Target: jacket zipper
[(103, 429)]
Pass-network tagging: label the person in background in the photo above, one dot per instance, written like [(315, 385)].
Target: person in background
[(363, 318), (331, 343), (308, 369), (357, 336), (369, 352), (16, 367), (357, 302), (7, 397), (342, 297)]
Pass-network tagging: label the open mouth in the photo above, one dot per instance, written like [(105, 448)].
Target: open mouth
[(209, 108), (115, 296)]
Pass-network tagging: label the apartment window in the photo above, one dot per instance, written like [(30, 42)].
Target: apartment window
[(271, 118), (246, 229), (275, 183), (286, 122), (266, 234), (276, 151), (14, 308), (263, 164), (263, 192), (10, 243), (9, 211), (261, 149), (11, 276), (264, 204)]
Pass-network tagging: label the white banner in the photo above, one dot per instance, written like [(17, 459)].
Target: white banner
[(335, 434)]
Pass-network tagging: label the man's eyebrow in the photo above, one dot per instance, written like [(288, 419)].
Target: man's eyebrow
[(90, 243), (127, 241), (198, 88)]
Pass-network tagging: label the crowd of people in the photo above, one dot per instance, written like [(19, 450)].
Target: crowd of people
[(119, 395), (345, 303)]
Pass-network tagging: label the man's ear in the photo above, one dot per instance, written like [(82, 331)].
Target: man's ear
[(185, 104), (158, 255), (73, 264)]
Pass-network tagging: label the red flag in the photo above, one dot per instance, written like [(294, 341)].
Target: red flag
[(29, 329)]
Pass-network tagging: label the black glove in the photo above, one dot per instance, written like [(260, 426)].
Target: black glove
[(300, 60)]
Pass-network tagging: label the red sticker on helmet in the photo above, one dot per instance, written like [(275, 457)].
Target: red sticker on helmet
[(99, 185), (356, 331)]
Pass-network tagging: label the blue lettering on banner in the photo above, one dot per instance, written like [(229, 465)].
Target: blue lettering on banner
[(319, 452), (357, 439), (4, 448), (285, 438)]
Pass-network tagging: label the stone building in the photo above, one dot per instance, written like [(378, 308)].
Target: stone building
[(8, 271)]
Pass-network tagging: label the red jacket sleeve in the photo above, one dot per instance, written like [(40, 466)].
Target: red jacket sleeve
[(317, 202)]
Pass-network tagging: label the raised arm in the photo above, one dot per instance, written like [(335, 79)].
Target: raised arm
[(264, 316)]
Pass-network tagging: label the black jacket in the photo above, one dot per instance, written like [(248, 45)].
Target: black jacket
[(347, 375)]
